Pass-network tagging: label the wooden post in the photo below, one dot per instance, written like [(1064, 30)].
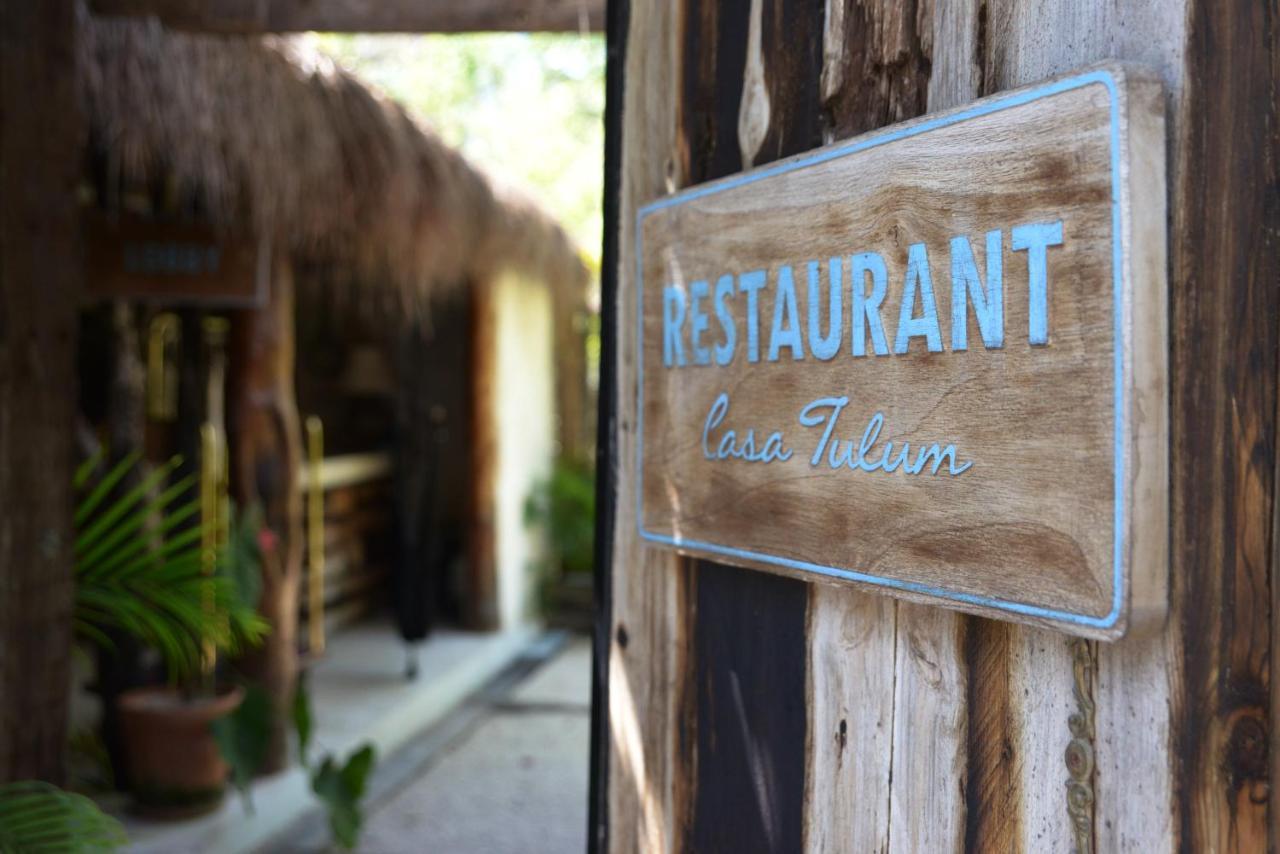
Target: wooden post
[(482, 548), (918, 729), (266, 451), (40, 281), (571, 370)]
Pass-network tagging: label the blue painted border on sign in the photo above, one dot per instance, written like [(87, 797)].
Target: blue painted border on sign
[(986, 108)]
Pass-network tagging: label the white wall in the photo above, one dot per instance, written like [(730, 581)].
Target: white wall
[(524, 408)]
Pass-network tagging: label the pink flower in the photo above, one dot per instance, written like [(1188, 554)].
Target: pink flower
[(267, 540)]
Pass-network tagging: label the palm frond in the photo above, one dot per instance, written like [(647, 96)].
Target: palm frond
[(37, 818), (91, 527), (141, 569), (103, 488)]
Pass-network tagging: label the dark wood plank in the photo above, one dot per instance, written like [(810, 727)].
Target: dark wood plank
[(369, 16), (749, 678), (992, 820), (40, 283), (879, 71), (1226, 297)]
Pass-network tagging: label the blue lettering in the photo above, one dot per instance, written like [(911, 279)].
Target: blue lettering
[(1036, 238), (750, 284), (988, 307), (724, 350), (825, 347), (910, 326), (698, 291), (785, 331), (672, 320), (866, 308)]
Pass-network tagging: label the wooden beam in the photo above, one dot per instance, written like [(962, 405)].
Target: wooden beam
[(40, 282), (365, 16)]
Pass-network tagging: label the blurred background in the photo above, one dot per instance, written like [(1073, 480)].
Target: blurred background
[(334, 428)]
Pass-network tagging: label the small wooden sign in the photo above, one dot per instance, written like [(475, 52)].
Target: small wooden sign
[(929, 361), (131, 257)]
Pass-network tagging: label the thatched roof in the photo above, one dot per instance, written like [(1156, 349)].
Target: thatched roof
[(269, 136)]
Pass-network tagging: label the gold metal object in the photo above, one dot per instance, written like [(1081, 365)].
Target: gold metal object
[(210, 469), (163, 335), (1079, 754), (215, 502), (315, 536)]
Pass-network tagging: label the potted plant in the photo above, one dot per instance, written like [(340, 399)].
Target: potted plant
[(143, 566)]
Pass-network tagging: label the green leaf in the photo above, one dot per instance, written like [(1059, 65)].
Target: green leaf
[(99, 523), (340, 789), (355, 774), (243, 738), (241, 561), (104, 487), (302, 720), (37, 818), (85, 469)]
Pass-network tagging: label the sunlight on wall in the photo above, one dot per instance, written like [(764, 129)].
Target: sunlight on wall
[(524, 407)]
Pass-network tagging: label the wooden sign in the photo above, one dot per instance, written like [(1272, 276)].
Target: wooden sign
[(928, 361), (131, 257)]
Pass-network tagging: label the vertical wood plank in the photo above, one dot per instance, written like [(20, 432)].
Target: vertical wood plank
[(928, 800), (993, 738), (40, 282), (851, 681), (646, 652), (874, 71), (750, 711), (1135, 686), (748, 96), (927, 796), (1226, 241), (1019, 680)]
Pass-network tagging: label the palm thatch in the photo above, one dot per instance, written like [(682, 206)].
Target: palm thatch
[(269, 136)]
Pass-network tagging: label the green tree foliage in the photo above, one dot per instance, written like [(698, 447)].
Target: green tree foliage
[(565, 504)]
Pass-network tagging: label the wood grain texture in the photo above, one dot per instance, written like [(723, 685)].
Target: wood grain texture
[(850, 705), (746, 770), (1226, 223), (930, 721), (749, 712), (1133, 789), (40, 282), (647, 656), (853, 636), (1031, 531), (366, 16), (876, 64), (1183, 717)]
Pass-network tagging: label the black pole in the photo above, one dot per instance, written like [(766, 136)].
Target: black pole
[(616, 20)]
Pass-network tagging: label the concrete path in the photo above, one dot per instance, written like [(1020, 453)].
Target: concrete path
[(515, 782)]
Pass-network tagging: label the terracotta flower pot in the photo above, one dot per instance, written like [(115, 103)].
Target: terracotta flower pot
[(175, 769)]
